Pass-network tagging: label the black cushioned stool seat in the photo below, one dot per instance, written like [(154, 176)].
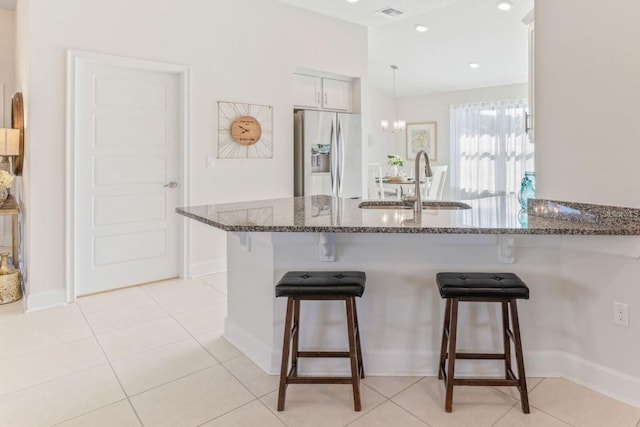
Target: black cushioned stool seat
[(481, 285), (503, 288), (321, 283), (300, 286)]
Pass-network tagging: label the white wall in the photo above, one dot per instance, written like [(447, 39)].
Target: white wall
[(7, 78), (379, 143), (7, 62), (235, 55), (587, 67)]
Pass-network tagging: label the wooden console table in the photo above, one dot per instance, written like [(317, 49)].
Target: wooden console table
[(10, 207)]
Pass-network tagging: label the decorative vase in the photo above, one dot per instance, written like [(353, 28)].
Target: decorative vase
[(4, 193), (10, 283), (527, 189), (396, 173)]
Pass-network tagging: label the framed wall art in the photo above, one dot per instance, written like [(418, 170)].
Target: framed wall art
[(422, 136), (245, 131)]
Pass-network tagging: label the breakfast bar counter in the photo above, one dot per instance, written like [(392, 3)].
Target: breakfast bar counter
[(576, 258), (490, 215)]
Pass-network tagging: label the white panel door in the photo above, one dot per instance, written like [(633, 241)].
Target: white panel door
[(127, 137)]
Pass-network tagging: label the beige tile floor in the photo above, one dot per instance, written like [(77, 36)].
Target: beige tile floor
[(153, 355)]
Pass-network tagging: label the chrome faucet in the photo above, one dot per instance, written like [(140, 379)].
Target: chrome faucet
[(417, 198)]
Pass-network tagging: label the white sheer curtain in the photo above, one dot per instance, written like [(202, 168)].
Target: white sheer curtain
[(490, 150)]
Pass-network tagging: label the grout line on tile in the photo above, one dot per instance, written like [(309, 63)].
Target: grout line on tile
[(508, 410), (229, 411), (413, 415), (90, 412), (30, 353), (171, 381), (409, 386), (552, 416), (33, 353), (118, 359), (128, 327), (115, 374), (55, 379), (536, 386), (123, 305), (133, 408), (242, 383), (363, 413), (269, 409)]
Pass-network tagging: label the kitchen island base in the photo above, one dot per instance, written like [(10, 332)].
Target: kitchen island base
[(401, 312)]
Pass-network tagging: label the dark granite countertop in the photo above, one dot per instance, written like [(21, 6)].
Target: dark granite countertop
[(490, 215)]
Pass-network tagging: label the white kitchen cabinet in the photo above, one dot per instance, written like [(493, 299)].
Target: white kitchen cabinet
[(336, 94), (307, 91), (321, 93)]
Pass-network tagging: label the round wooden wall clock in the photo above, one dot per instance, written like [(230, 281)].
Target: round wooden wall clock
[(17, 122), (244, 131)]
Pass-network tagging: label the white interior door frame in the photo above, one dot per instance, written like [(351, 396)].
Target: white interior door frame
[(75, 57)]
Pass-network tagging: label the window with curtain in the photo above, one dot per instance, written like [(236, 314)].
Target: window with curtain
[(490, 150)]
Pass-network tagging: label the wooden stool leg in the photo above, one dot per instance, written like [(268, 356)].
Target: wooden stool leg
[(286, 341), (296, 332), (355, 380), (524, 394), (443, 348), (506, 340), (358, 345), (452, 355)]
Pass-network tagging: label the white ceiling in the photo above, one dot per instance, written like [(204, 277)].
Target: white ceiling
[(460, 31)]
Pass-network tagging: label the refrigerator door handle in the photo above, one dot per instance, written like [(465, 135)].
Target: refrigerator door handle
[(334, 159), (341, 157)]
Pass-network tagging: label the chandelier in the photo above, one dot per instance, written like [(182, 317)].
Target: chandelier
[(396, 125)]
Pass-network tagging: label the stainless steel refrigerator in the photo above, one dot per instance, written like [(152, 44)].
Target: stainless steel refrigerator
[(328, 154)]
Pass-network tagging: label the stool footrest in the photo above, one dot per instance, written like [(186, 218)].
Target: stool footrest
[(480, 356), (493, 382), (323, 354), (319, 380)]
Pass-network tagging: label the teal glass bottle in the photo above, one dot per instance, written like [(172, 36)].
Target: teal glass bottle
[(527, 189)]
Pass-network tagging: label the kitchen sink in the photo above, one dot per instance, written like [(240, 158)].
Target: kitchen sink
[(398, 204)]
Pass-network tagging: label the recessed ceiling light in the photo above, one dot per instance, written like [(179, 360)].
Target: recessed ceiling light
[(421, 28), (473, 65), (352, 1), (504, 5)]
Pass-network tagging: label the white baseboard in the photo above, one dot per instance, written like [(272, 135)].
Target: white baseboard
[(207, 267), (255, 350), (546, 364), (615, 384), (43, 300)]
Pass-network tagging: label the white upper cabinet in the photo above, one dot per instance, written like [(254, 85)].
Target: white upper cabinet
[(307, 91), (321, 93), (336, 95)]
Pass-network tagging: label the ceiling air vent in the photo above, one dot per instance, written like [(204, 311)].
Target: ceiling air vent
[(390, 12)]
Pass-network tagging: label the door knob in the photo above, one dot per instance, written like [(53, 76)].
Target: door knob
[(172, 184)]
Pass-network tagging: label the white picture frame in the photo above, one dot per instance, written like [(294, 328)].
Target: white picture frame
[(422, 136)]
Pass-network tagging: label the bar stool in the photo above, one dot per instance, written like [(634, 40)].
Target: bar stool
[(300, 286), (504, 288)]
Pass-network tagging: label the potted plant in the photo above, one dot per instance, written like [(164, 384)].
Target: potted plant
[(395, 161)]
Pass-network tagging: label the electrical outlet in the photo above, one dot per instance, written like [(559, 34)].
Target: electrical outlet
[(621, 314)]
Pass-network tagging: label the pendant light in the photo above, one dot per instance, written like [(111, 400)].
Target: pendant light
[(396, 125)]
